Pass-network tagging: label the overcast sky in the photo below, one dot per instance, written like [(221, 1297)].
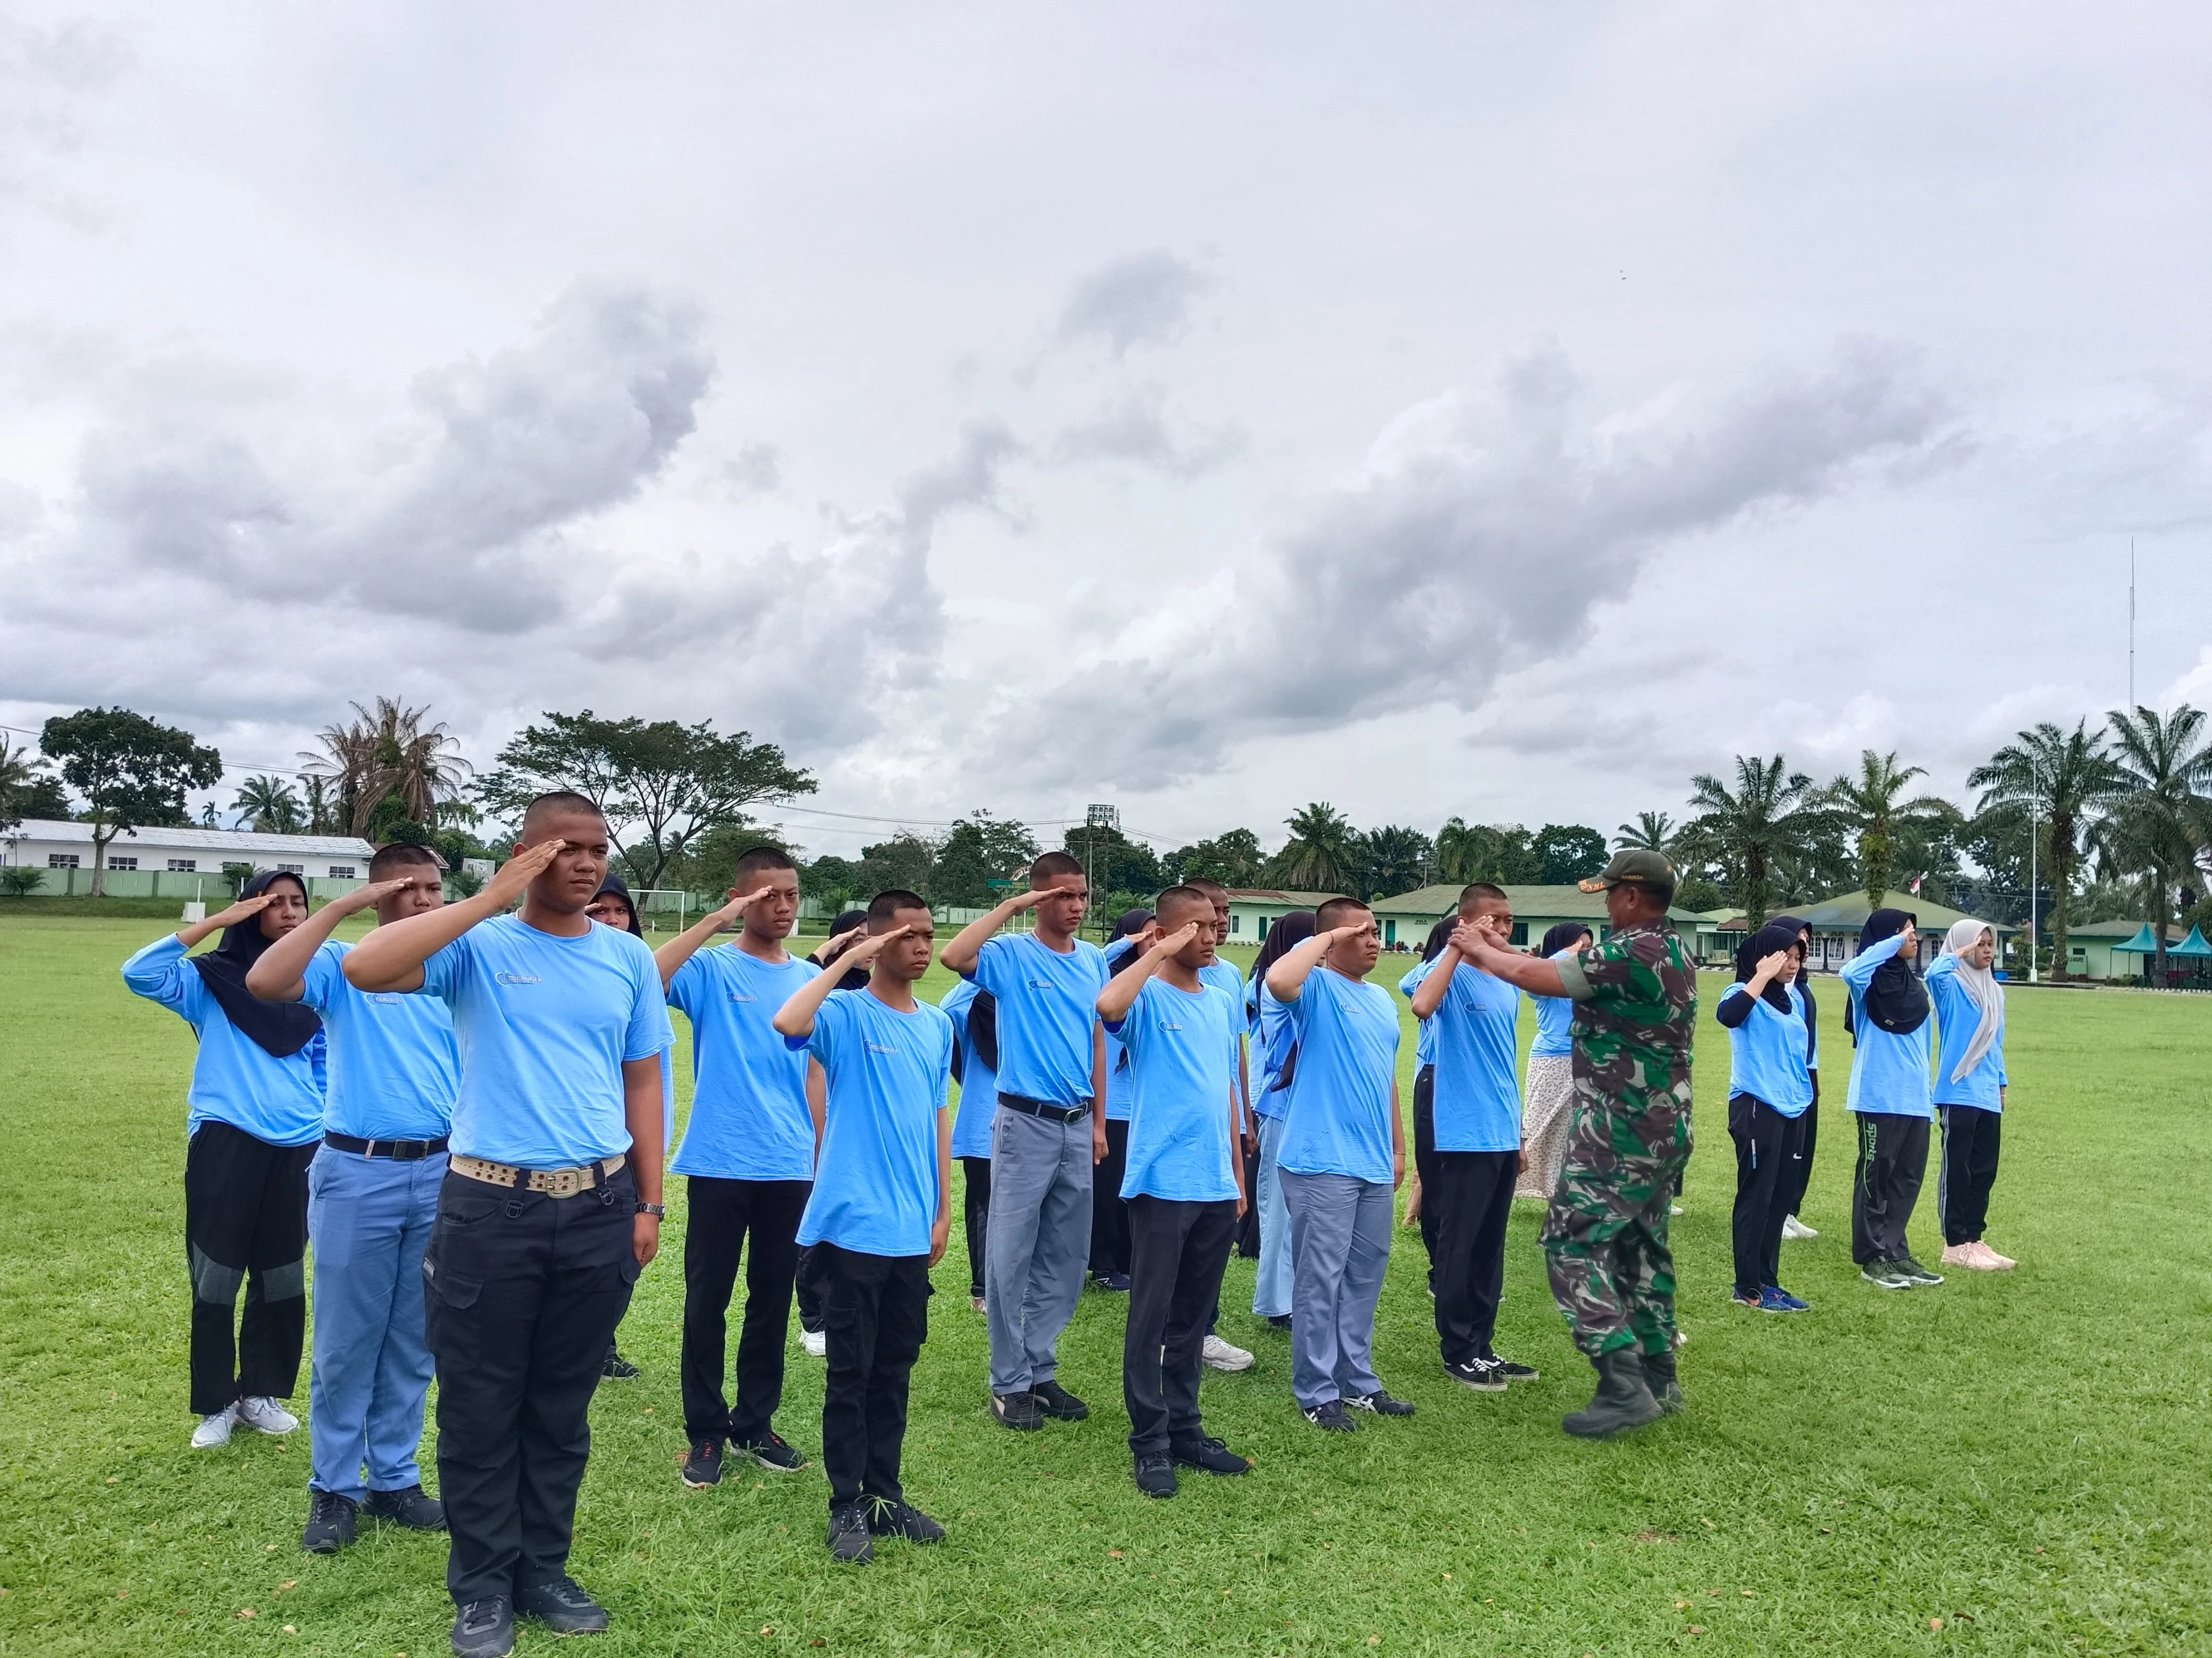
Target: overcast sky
[(1491, 409)]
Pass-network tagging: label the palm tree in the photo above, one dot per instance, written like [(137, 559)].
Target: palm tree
[(388, 753), (1868, 804), (1397, 859), (1770, 817), (2165, 763), (269, 805), (1323, 851), (1652, 831), (2058, 777), (19, 769)]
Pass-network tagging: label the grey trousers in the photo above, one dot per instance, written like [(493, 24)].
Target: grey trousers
[(1038, 1241), (1339, 1245)]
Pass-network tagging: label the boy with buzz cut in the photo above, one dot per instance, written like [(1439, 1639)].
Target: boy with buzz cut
[(880, 1211), (1182, 1181), (372, 1199), (748, 1156)]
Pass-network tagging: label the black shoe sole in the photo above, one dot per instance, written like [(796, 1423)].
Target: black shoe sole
[(1080, 1414), (799, 1466), (1019, 1427), (1486, 1384), (323, 1548), (703, 1484), (1200, 1467)]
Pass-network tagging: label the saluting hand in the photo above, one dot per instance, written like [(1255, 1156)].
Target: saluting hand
[(244, 908), (734, 911), (514, 877), (871, 947), (1175, 941), (367, 896)]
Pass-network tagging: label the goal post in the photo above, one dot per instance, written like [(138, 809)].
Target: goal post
[(660, 900)]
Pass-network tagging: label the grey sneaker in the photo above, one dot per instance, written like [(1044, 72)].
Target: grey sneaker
[(1885, 1275), (1914, 1270)]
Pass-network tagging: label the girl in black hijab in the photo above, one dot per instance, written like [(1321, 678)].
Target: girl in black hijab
[(843, 931), (1896, 1000), (1799, 1174), (1890, 1097)]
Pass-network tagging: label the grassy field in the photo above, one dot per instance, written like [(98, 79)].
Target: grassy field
[(2009, 1464)]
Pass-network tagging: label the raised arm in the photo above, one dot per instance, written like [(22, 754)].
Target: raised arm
[(961, 950), (281, 975), (392, 958), (1429, 995), (795, 1018), (1734, 1010), (1288, 976), (1477, 941), (686, 944), (1120, 993), (1858, 972)]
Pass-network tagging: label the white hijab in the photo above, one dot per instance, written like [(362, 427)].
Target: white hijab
[(1980, 984)]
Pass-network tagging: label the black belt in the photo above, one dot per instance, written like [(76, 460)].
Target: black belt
[(1045, 1108), (398, 1150)]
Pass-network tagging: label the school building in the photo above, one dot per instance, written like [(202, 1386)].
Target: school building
[(1835, 922), (1253, 909), (2127, 950), (185, 864), (1536, 909)]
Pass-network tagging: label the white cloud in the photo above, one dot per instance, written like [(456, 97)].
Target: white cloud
[(1143, 298)]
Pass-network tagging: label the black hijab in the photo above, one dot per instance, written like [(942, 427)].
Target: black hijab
[(983, 1027), (1895, 999), (1560, 935), (279, 1029), (1801, 932), (1288, 932), (1133, 922), (1439, 936), (615, 885), (1774, 935), (857, 978)]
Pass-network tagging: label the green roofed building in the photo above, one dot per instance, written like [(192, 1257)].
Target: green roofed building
[(1253, 909), (1835, 922), (1405, 919), (2113, 949)]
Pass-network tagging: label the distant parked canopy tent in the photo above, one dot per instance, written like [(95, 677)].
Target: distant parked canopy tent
[(2194, 944)]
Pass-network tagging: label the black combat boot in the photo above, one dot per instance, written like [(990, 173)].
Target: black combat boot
[(1623, 1399), (1659, 1376)]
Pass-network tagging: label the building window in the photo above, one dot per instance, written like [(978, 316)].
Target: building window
[(1520, 934), (342, 872), (61, 860), (183, 866), (123, 863), (1236, 923), (291, 869)]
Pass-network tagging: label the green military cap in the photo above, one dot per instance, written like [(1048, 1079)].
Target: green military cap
[(1638, 863)]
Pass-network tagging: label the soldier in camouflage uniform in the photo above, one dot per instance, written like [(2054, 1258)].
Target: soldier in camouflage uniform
[(1604, 1237)]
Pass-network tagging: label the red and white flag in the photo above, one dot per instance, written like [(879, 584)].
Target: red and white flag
[(1914, 888)]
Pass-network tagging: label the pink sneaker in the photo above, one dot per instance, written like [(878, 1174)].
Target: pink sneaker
[(1990, 1261), (1960, 1255)]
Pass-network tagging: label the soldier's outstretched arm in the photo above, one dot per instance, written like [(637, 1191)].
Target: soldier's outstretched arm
[(1483, 949)]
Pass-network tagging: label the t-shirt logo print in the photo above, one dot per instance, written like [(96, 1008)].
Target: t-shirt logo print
[(880, 1048), (516, 978)]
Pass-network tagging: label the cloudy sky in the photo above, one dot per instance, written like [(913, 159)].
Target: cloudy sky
[(1490, 409)]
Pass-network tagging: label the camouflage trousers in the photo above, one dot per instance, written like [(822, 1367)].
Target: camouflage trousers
[(1605, 1235)]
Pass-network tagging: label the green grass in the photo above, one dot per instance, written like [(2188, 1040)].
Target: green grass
[(2022, 1456)]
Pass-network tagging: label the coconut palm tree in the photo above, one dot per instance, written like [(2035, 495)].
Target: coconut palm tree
[(1772, 816), (1323, 853), (2166, 767), (1652, 831), (388, 753), (1870, 804), (269, 806), (1397, 859), (19, 769), (2060, 779)]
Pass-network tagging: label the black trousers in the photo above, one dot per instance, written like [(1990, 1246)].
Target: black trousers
[(1177, 1252), (521, 1292), (245, 1221), (808, 1283), (1893, 1160), (723, 1217), (1247, 1229), (876, 1310), (975, 1213), (1969, 1168), (1109, 1216), (1798, 1175), (1470, 1198), (1765, 1142), (1424, 1158)]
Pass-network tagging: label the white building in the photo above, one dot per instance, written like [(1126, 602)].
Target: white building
[(64, 849)]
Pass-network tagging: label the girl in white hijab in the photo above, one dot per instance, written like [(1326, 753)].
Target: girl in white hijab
[(1970, 1090)]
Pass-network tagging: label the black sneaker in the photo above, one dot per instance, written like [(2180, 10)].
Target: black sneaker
[(1380, 1403), (330, 1522), (1509, 1370), (1056, 1402), (1885, 1275), (1016, 1410), (704, 1466), (1155, 1475), (1208, 1453), (1480, 1374), (1114, 1283), (1278, 1322), (848, 1533), (887, 1519), (615, 1367), (562, 1607), (411, 1507), (1914, 1270), (484, 1629), (772, 1453), (1331, 1416)]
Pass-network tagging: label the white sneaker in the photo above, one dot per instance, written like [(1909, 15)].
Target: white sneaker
[(215, 1430), (264, 1415), (1225, 1356), (1674, 1208), (1794, 1228), (817, 1343)]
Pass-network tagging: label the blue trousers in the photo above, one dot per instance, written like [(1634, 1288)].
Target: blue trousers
[(369, 1219), (1038, 1239), (1271, 1283), (1339, 1245)]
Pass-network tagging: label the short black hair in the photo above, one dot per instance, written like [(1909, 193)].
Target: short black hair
[(1052, 866), (1332, 911), (554, 802), (389, 861), (753, 860), (888, 903), (1188, 893), (1207, 884), (1475, 891)]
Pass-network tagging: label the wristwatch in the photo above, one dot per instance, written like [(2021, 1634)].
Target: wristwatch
[(656, 1210)]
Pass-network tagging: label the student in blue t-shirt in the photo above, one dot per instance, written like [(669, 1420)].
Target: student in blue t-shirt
[(1424, 1095), (1049, 1136), (1769, 1090), (550, 1206), (748, 1158), (1888, 1021), (1109, 1216), (1268, 1026), (1475, 1016), (880, 1211), (1969, 1091), (1184, 1182), (1548, 1089), (1219, 1353), (975, 1016), (372, 1196), (256, 1115), (1342, 1156)]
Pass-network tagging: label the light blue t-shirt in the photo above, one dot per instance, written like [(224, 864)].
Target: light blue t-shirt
[(889, 1073), (1477, 1081), (1889, 1072), (979, 1084), (1340, 1116), (1182, 1063), (1424, 1030), (1224, 973), (1267, 1023), (1766, 1053), (394, 1068), (1958, 1018), (546, 1024), (1555, 1019), (1047, 1006), (234, 1079), (749, 1119)]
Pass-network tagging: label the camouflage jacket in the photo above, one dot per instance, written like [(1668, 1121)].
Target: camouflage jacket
[(1636, 1001)]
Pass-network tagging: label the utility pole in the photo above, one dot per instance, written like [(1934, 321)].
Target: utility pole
[(2131, 622), (1096, 819), (2034, 836)]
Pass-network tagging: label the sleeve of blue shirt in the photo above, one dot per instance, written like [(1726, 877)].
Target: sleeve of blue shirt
[(993, 964), (685, 986), (323, 982), (159, 973), (1412, 981), (650, 1032), (1859, 973), (444, 969), (826, 1039)]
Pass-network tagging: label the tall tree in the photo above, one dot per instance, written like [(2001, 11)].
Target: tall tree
[(387, 763), (24, 784), (2166, 767), (1652, 831), (1115, 862), (905, 860), (1323, 853), (1232, 858), (977, 850), (269, 806), (1870, 804), (661, 785), (321, 808), (132, 772), (1771, 815), (2056, 778), (1397, 859), (1568, 853), (1504, 854)]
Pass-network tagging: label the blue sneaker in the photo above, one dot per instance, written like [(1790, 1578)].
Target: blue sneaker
[(1772, 1299), (1797, 1305)]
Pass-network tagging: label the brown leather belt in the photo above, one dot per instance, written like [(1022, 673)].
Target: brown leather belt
[(556, 1182)]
